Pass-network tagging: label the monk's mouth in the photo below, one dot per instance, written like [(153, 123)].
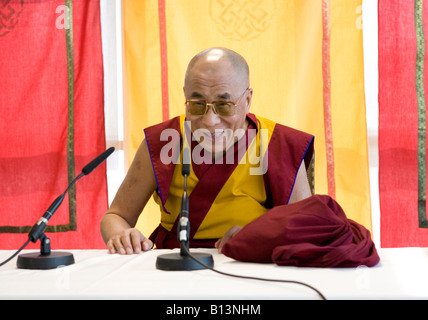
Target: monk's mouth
[(213, 136)]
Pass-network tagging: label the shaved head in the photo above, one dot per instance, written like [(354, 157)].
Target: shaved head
[(211, 57)]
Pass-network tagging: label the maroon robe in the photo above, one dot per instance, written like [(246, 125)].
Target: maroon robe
[(313, 232), (287, 149)]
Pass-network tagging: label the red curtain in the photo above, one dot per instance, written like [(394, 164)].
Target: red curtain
[(402, 125), (51, 120)]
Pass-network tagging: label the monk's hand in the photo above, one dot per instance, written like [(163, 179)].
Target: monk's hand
[(129, 241), (229, 234)]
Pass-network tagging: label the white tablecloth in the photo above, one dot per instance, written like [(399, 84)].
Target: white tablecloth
[(401, 274)]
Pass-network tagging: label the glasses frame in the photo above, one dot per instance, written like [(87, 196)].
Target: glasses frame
[(235, 105)]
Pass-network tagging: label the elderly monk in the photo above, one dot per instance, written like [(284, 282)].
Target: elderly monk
[(242, 165)]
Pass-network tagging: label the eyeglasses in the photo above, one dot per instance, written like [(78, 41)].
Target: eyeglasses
[(221, 107)]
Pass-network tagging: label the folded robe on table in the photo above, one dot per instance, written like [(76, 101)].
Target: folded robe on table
[(313, 232)]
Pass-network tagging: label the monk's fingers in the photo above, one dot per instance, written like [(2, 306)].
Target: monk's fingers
[(129, 241), (227, 236)]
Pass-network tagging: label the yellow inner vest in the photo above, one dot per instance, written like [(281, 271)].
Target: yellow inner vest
[(240, 200)]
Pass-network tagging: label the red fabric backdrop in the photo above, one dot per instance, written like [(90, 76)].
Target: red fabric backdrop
[(51, 120), (402, 180)]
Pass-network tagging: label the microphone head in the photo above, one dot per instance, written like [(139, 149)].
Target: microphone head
[(185, 168), (97, 161)]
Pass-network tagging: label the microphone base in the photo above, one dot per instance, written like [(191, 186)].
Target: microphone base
[(176, 262), (38, 261)]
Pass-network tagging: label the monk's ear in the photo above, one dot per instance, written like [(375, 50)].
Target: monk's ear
[(248, 99)]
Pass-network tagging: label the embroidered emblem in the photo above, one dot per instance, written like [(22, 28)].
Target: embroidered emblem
[(9, 15), (242, 20)]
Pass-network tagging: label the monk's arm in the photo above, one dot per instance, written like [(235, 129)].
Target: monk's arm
[(136, 189), (301, 189)]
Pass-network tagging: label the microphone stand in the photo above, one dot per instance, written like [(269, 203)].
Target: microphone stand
[(47, 259), (184, 261)]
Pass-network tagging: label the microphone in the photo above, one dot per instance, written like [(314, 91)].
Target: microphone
[(40, 226), (97, 161), (46, 260), (184, 226), (183, 260), (185, 167)]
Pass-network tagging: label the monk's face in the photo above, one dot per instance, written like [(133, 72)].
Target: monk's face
[(213, 81)]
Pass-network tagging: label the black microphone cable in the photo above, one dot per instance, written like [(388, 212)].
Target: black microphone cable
[(184, 243), (253, 278), (14, 255)]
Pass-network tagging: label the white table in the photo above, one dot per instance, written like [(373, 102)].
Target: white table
[(401, 274)]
